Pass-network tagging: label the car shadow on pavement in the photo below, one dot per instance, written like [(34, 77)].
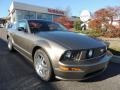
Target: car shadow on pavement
[(111, 71)]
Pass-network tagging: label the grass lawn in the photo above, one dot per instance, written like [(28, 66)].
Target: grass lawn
[(92, 33), (115, 47)]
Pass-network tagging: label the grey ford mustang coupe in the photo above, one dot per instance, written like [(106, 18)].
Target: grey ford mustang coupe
[(56, 52)]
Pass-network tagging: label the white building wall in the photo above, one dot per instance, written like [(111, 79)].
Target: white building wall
[(26, 9)]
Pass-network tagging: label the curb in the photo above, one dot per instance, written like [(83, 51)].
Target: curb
[(115, 59)]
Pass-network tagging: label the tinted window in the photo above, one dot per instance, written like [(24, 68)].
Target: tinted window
[(38, 25), (9, 25), (14, 26)]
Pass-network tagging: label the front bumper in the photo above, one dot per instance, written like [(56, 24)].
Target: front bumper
[(87, 70)]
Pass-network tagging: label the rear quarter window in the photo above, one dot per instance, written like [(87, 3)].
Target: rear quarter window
[(11, 26)]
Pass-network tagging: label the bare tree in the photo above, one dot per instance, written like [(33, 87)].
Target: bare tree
[(68, 10)]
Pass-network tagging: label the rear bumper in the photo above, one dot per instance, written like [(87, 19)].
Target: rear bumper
[(86, 70)]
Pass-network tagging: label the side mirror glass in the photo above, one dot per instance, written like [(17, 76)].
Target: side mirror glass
[(22, 29)]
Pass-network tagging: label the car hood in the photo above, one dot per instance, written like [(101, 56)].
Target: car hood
[(71, 40)]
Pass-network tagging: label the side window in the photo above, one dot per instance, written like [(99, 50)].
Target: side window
[(9, 26), (14, 26), (22, 26)]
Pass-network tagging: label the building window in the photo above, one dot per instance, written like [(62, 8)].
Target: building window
[(56, 16), (30, 15), (21, 14), (44, 16)]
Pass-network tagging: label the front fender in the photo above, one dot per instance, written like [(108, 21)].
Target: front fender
[(53, 50)]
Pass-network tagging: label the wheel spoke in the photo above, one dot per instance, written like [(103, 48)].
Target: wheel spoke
[(41, 65)]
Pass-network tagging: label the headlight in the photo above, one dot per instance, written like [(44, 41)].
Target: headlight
[(68, 54), (106, 48), (73, 55), (90, 53), (102, 50)]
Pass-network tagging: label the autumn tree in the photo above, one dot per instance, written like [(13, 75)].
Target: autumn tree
[(118, 14), (95, 24), (104, 17), (64, 21)]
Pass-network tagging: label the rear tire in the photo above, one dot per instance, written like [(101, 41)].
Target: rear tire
[(42, 65)]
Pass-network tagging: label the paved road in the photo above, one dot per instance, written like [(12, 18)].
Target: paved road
[(16, 73)]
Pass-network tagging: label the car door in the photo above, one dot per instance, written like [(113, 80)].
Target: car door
[(22, 37)]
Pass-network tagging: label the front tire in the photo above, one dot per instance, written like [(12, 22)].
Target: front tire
[(10, 45), (42, 65)]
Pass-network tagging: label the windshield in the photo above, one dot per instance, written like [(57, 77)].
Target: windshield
[(39, 25)]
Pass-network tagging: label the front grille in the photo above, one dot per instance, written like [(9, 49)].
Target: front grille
[(78, 55)]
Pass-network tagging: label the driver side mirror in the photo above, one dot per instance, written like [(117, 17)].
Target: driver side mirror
[(22, 29)]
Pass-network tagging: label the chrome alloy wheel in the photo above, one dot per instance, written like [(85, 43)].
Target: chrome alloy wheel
[(41, 65), (9, 44)]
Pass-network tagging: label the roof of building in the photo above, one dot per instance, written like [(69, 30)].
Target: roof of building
[(28, 7)]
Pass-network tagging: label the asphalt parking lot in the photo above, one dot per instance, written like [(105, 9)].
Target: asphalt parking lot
[(16, 73)]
